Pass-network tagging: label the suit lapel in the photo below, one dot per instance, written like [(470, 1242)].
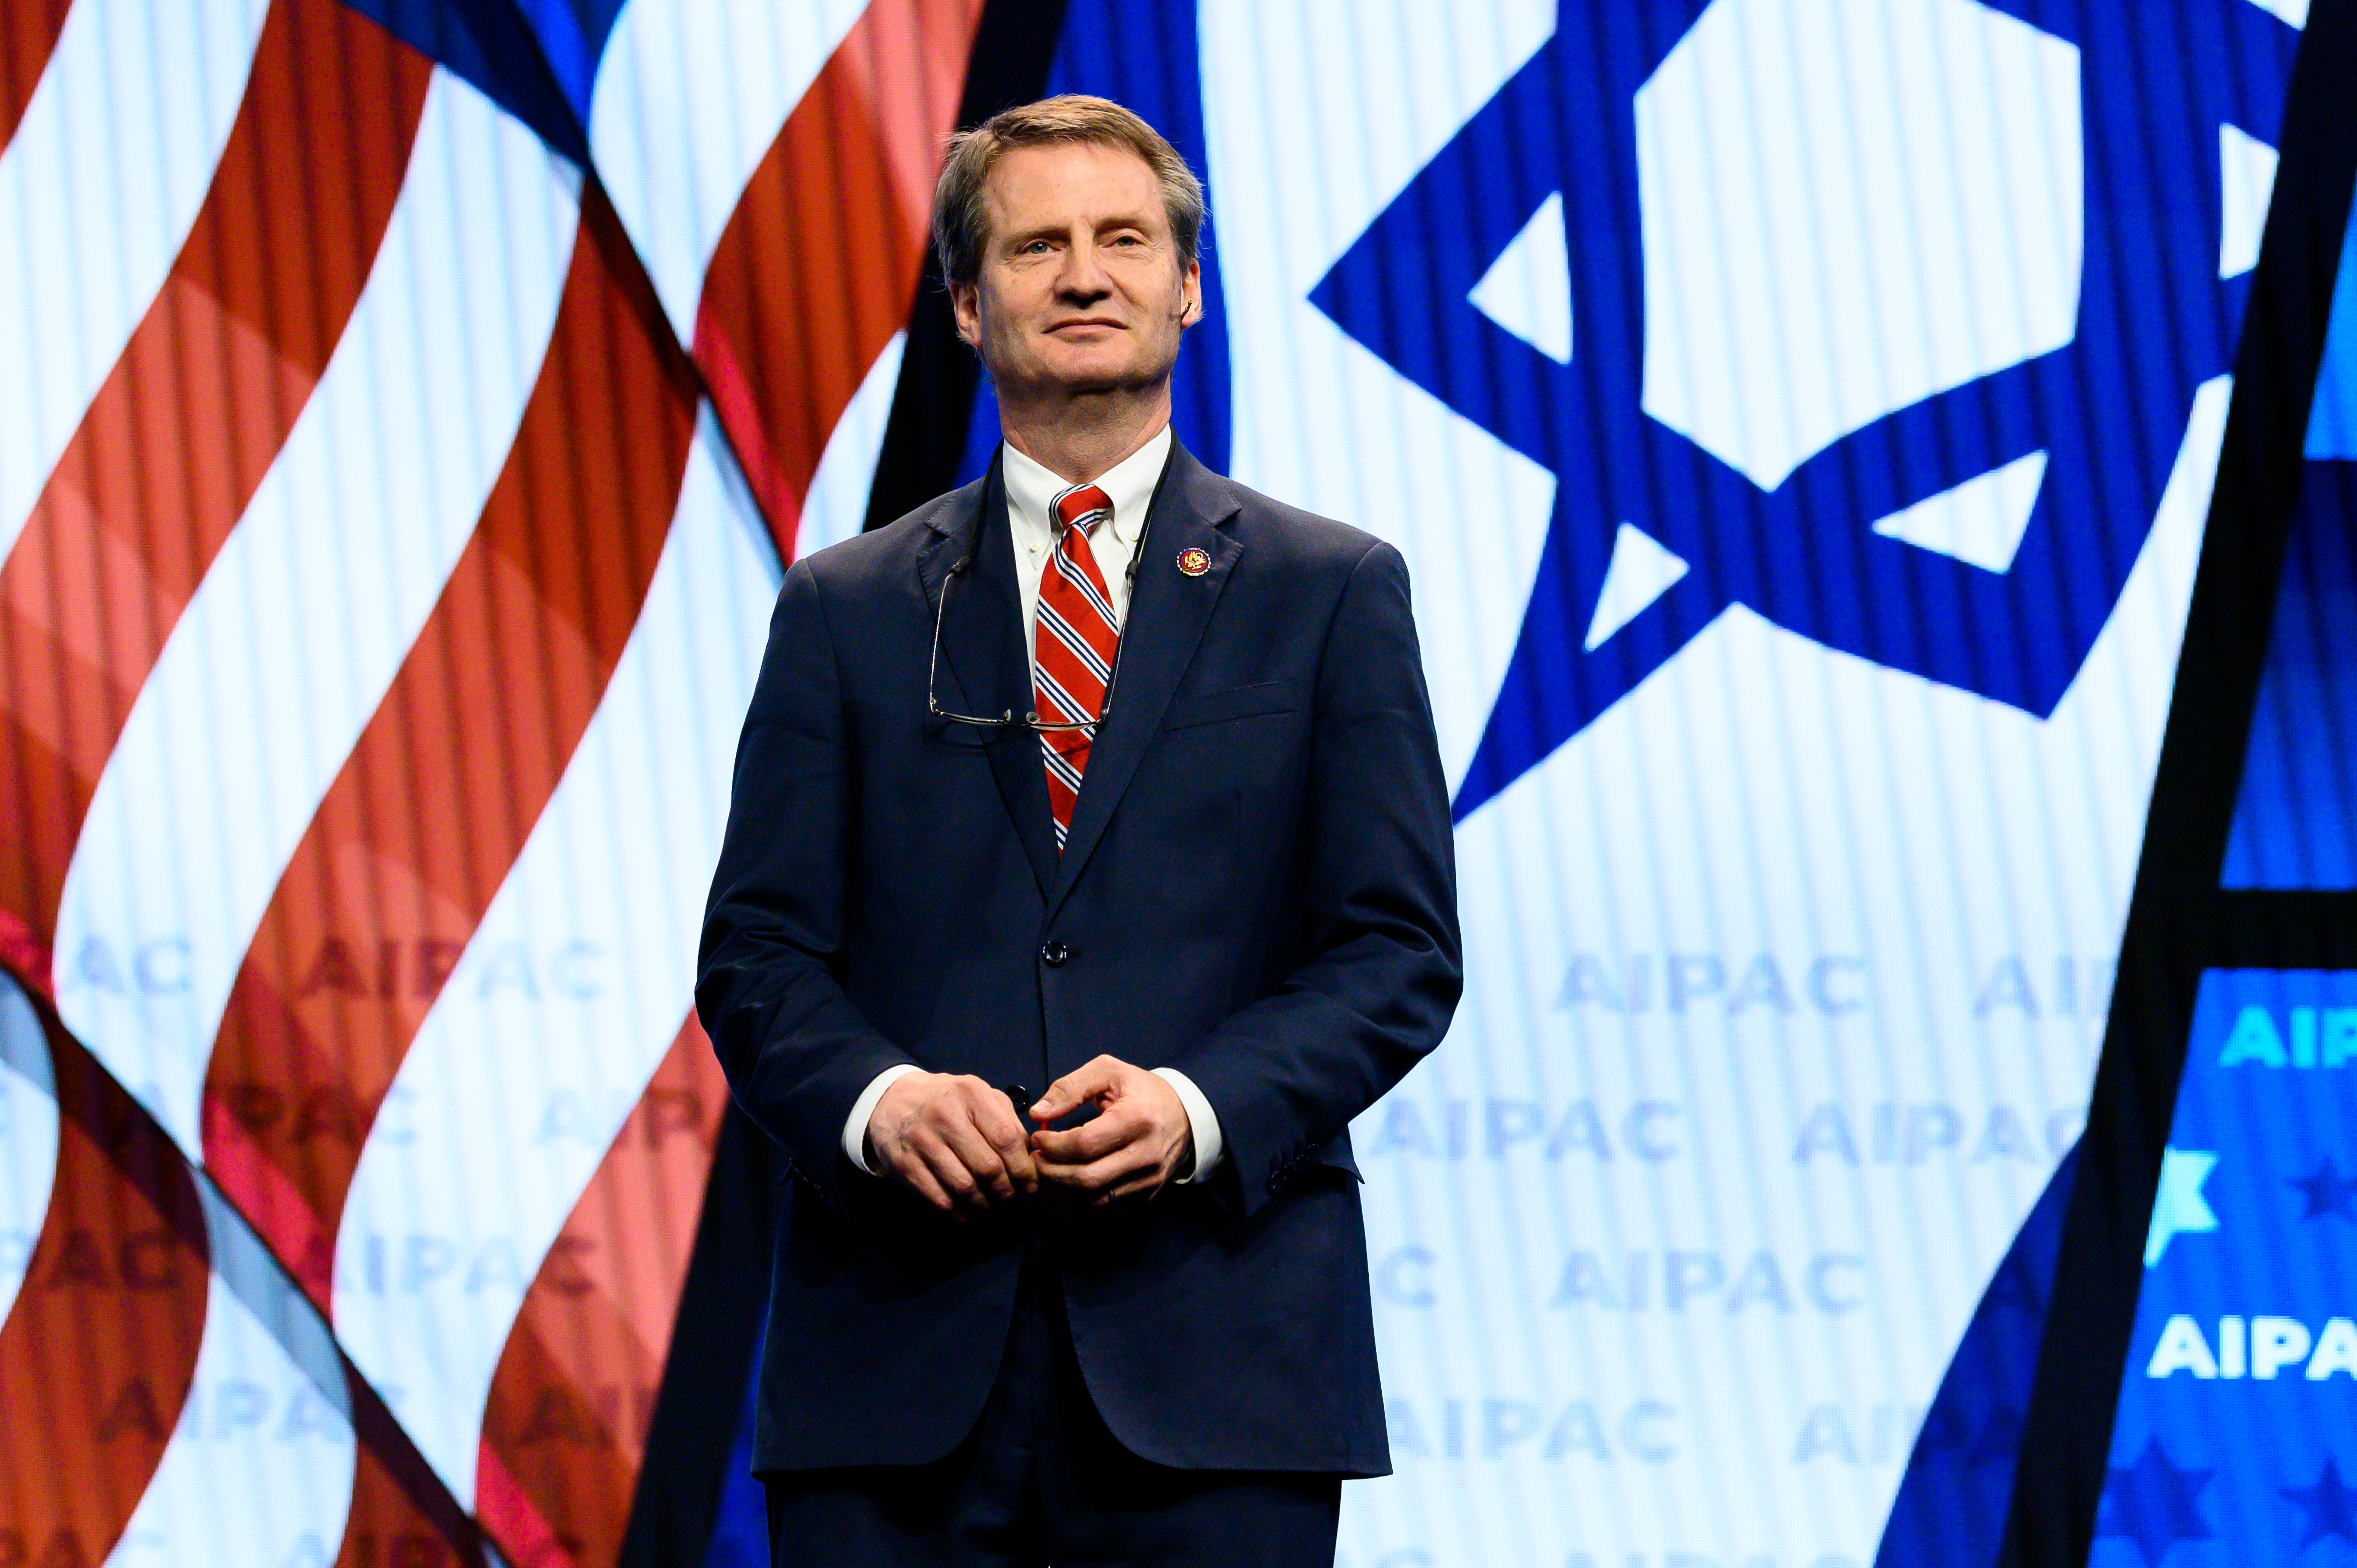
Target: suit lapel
[(986, 668), (1168, 612)]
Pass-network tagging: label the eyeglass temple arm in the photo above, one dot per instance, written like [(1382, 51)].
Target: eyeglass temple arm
[(941, 606)]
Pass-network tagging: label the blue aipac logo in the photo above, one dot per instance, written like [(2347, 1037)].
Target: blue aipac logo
[(1885, 319)]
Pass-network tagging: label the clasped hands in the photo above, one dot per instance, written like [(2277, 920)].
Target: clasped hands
[(957, 1144)]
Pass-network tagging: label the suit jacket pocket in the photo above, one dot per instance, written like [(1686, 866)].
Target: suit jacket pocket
[(1235, 703)]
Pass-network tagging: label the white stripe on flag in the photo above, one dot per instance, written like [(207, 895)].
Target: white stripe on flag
[(308, 612), (28, 1137), (690, 95), (108, 169), (259, 1469), (836, 507), (566, 1000)]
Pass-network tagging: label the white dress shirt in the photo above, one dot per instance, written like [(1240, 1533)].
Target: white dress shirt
[(1032, 492)]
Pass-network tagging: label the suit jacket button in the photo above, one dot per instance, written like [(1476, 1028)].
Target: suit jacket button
[(1053, 954)]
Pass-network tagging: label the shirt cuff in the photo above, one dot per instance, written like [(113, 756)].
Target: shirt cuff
[(854, 1126), (1201, 1120)]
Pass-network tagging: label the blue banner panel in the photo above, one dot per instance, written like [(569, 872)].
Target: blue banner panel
[(2237, 1441), (2332, 419), (2295, 816)]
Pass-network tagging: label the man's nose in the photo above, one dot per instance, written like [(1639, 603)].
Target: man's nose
[(1083, 278)]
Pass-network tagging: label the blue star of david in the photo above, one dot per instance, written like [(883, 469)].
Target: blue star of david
[(2155, 1504), (2158, 78)]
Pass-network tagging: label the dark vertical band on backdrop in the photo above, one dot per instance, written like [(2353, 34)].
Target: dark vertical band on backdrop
[(2179, 923), (926, 434), (690, 1440)]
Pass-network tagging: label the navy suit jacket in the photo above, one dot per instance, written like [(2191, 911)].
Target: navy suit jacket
[(1258, 890)]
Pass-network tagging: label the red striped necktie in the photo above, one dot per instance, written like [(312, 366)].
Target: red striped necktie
[(1073, 648)]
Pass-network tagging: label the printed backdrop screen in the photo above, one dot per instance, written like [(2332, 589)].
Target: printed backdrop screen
[(1798, 417)]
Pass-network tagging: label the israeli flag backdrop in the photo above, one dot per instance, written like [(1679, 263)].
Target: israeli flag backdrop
[(1773, 402), (1801, 420), (1802, 495)]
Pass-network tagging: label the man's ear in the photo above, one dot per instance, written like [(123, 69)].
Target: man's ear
[(1190, 295), (965, 305)]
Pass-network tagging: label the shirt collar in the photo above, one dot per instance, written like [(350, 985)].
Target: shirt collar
[(1032, 487)]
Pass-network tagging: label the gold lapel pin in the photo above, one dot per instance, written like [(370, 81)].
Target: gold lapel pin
[(1194, 562)]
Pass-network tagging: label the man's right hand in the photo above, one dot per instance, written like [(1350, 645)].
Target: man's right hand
[(953, 1141)]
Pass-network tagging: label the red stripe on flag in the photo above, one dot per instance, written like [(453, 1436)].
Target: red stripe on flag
[(28, 33), (565, 1430), (189, 422), (818, 265), (98, 1355), (432, 806)]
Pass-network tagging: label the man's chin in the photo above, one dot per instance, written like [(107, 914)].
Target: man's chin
[(1094, 380), (1081, 374), (1104, 357)]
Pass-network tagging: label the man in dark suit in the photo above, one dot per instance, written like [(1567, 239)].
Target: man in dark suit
[(1107, 774)]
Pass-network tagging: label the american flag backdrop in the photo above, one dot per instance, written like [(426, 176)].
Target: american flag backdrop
[(410, 409)]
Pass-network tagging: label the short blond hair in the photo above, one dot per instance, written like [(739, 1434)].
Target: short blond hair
[(961, 223)]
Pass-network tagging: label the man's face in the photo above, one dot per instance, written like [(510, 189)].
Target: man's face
[(1080, 288)]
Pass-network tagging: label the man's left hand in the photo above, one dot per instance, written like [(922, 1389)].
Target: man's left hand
[(1139, 1141)]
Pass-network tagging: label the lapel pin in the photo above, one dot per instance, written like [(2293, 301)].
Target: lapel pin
[(1194, 562)]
